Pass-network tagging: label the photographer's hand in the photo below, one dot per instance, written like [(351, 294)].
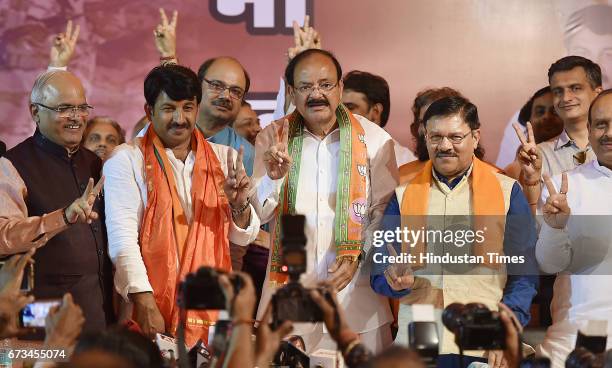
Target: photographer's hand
[(268, 341), (10, 306), (512, 354), (333, 315), (241, 306), (147, 314), (11, 275), (342, 272), (63, 324)]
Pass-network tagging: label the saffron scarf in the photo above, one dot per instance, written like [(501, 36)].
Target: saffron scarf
[(487, 204), (171, 247), (350, 194)]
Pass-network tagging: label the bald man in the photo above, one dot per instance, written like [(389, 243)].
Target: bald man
[(48, 201), (224, 85)]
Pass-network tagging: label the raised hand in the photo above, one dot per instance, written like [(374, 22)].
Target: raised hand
[(64, 324), (11, 274), (237, 183), (165, 34), (399, 276), (276, 159), (304, 38), (556, 209), (268, 340), (63, 46), (529, 156), (81, 210)]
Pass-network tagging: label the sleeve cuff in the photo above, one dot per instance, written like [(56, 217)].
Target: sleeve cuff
[(244, 237), (53, 221), (51, 68), (380, 285)]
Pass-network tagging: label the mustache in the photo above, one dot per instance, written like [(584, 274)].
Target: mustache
[(223, 102), (606, 139), (178, 125), (317, 102), (446, 154)]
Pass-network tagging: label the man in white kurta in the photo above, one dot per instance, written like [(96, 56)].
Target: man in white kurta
[(171, 199), (316, 89), (579, 247)]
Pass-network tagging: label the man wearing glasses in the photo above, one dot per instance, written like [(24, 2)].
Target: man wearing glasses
[(337, 169), (48, 201), (457, 192), (224, 82)]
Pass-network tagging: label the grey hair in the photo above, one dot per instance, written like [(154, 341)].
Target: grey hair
[(40, 91)]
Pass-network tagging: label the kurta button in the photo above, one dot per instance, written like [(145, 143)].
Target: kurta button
[(82, 186), (100, 252)]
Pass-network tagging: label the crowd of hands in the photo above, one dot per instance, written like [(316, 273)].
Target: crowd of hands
[(64, 322)]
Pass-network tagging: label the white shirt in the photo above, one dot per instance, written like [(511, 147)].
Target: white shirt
[(509, 143), (403, 155), (316, 199), (125, 198), (581, 254)]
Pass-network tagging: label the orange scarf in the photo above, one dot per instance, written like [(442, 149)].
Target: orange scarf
[(350, 195), (171, 247), (487, 204)]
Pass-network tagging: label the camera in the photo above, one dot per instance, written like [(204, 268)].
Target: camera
[(590, 352), (475, 326), (292, 302), (201, 290), (33, 317)]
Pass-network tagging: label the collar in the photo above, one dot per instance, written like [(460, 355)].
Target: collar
[(452, 183), (602, 169), (51, 147), (564, 140)]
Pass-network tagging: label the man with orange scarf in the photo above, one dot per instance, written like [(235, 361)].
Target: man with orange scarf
[(339, 170), (174, 203), (456, 193)]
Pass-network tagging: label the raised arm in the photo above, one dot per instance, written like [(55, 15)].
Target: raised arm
[(530, 160)]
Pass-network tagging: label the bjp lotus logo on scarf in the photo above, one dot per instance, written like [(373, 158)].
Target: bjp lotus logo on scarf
[(358, 210), (362, 169), (361, 138)]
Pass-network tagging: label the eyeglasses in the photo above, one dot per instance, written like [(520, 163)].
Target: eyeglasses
[(309, 88), (454, 139), (65, 111), (219, 87)]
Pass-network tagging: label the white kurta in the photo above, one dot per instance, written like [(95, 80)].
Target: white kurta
[(125, 198), (316, 199), (581, 254)]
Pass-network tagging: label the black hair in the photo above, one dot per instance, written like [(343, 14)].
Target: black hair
[(290, 69), (374, 87), (131, 346), (592, 70), (208, 63), (603, 93), (525, 113), (179, 82), (422, 99), (454, 105)]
